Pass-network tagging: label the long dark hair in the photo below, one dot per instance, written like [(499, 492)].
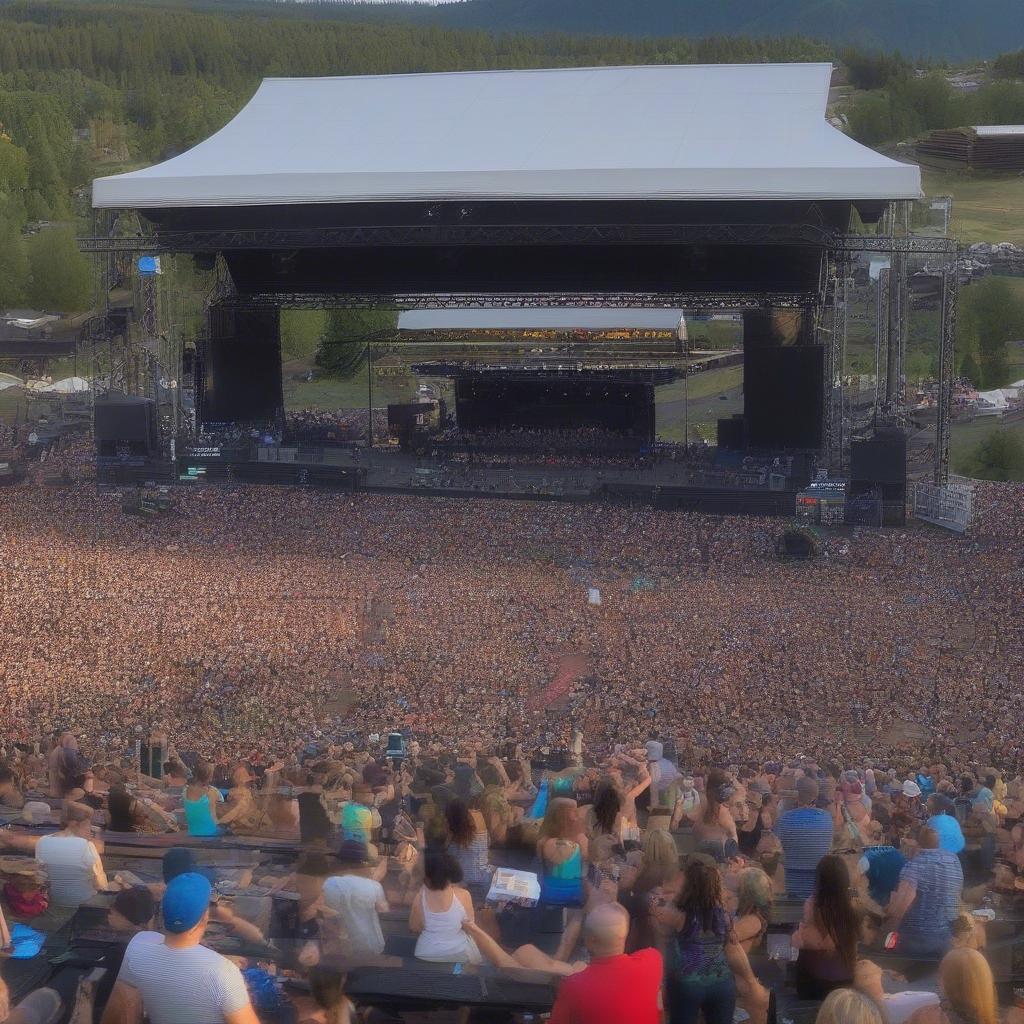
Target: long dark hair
[(327, 987), (701, 896), (607, 804), (460, 823), (119, 806), (833, 909), (713, 784)]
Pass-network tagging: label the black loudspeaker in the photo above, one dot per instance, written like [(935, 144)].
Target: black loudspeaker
[(730, 434), (783, 396), (240, 368), (878, 465), (124, 425), (881, 459)]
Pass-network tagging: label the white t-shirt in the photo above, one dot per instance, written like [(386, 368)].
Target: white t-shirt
[(355, 900), (182, 986), (70, 863)]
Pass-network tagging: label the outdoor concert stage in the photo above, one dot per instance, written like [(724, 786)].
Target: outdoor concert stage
[(544, 396), (707, 189), (727, 485)]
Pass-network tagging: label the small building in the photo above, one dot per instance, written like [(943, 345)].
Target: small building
[(993, 147)]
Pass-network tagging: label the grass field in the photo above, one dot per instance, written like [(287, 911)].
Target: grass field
[(703, 385), (986, 207)]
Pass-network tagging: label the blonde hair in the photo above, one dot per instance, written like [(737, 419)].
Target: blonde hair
[(846, 1006), (559, 819), (75, 814), (966, 981), (755, 893), (659, 850)]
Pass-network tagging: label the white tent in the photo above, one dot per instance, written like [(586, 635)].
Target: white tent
[(549, 318), (711, 132), (8, 380), (68, 386), (993, 399)]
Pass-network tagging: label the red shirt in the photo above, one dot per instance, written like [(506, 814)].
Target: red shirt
[(612, 990)]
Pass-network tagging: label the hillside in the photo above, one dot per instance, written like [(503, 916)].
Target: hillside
[(940, 29)]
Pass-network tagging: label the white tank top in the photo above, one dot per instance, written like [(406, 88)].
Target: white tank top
[(442, 939)]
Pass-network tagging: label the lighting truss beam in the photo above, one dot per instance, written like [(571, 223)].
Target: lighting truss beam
[(512, 234), (697, 301), (947, 336), (361, 236)]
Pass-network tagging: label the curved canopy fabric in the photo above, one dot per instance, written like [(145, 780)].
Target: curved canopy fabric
[(691, 132), (557, 318), (68, 386)]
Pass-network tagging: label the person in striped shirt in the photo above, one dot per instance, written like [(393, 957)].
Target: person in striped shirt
[(806, 834), (173, 978)]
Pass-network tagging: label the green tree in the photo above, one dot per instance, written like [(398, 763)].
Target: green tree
[(301, 331), (870, 119), (61, 278), (13, 266), (969, 368), (992, 315), (999, 456), (342, 348)]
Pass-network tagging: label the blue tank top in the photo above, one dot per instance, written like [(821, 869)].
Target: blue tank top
[(562, 884), (199, 816)]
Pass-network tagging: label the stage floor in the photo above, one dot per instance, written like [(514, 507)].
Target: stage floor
[(665, 482)]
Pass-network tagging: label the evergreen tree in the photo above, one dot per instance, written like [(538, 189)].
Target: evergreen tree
[(999, 456), (13, 266), (61, 278)]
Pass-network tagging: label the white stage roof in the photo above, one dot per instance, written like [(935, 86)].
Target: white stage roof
[(555, 318), (987, 130), (746, 131)]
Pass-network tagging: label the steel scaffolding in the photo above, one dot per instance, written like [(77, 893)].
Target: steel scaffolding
[(828, 303)]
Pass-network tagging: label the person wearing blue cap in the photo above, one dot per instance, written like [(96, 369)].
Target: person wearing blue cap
[(177, 979)]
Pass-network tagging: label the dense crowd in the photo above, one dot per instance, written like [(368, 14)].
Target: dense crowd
[(318, 426), (573, 441), (528, 653), (251, 609)]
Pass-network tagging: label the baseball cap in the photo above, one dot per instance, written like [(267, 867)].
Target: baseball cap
[(911, 789), (185, 901)]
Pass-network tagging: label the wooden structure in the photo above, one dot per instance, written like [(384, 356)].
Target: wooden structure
[(981, 147)]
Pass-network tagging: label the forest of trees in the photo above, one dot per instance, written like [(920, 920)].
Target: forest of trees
[(928, 29), (908, 105)]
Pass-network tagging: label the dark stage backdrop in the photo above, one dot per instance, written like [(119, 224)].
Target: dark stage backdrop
[(782, 396), (241, 377), (626, 408)]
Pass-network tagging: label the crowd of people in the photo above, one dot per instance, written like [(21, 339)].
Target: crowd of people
[(826, 717), (542, 442), (248, 610), (332, 426), (666, 879)]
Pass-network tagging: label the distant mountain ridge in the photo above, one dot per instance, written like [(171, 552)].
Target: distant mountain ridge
[(938, 29)]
